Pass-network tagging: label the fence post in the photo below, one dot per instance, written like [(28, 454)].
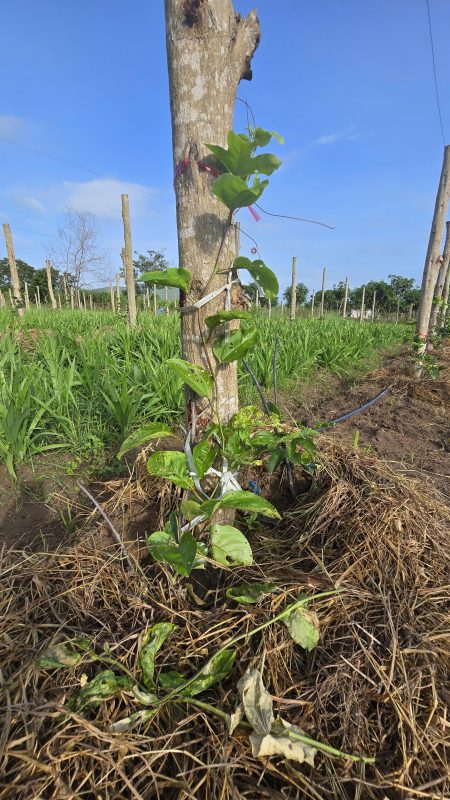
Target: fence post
[(344, 310), (13, 269), (373, 304), (313, 297), (51, 294), (363, 297), (128, 262), (26, 296), (111, 292), (294, 289), (155, 300), (322, 297)]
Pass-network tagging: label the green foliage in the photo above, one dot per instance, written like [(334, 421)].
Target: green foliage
[(58, 657), (224, 316), (263, 276), (153, 430), (150, 646), (301, 291), (197, 378), (103, 686), (250, 592), (177, 277), (303, 626), (181, 555), (234, 345), (172, 465), (230, 547)]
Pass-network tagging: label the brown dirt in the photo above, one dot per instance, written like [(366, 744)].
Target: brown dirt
[(410, 427)]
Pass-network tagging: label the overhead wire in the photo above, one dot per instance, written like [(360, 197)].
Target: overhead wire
[(435, 73)]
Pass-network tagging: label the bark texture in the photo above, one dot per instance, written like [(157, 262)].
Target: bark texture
[(209, 48), (128, 262), (51, 294), (432, 259), (436, 309), (294, 288), (13, 269), (446, 289)]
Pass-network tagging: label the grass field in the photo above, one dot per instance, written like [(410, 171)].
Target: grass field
[(81, 381)]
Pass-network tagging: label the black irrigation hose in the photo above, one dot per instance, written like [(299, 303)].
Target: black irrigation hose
[(258, 386), (355, 411)]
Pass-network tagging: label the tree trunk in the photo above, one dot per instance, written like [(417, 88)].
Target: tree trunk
[(432, 264), (128, 262), (438, 299), (446, 288), (344, 310), (322, 296), (363, 297), (13, 269), (51, 294), (294, 288), (209, 48)]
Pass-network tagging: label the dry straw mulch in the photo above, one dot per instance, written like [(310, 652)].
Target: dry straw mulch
[(376, 684)]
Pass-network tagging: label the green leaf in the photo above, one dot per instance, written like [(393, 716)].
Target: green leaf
[(275, 460), (196, 377), (171, 464), (152, 642), (224, 316), (171, 680), (266, 164), (104, 686), (234, 192), (177, 277), (242, 501), (190, 509), (238, 152), (250, 592), (58, 657), (218, 668), (260, 273), (234, 345), (204, 455), (181, 556), (230, 547), (303, 625), (261, 137), (153, 430)]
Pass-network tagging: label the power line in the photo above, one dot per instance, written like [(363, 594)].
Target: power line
[(85, 169), (434, 73)]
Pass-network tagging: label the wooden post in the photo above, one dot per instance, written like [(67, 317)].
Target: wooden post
[(36, 300), (313, 297), (128, 262), (59, 300), (26, 296), (51, 294), (72, 298), (439, 288), (118, 291), (431, 266), (91, 302), (111, 291), (322, 297), (410, 311), (344, 310), (13, 269), (363, 297), (38, 294), (11, 301), (66, 297), (446, 287), (257, 299), (147, 295), (374, 298), (2, 300), (397, 313), (166, 298), (294, 289), (270, 308), (155, 300)]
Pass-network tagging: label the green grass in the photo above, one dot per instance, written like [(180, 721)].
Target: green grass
[(82, 381)]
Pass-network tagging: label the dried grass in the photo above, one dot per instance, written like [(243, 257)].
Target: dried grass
[(374, 686)]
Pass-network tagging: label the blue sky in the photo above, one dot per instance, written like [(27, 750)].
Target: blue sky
[(349, 84)]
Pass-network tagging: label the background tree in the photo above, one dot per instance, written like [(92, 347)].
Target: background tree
[(154, 260), (301, 292), (403, 289), (75, 251)]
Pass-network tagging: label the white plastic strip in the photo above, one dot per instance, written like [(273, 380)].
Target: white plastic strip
[(207, 298)]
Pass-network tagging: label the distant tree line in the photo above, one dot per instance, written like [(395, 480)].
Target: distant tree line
[(399, 291)]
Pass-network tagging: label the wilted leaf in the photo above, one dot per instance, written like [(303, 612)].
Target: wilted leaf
[(230, 547), (153, 430), (197, 378), (235, 718), (256, 701), (177, 277), (151, 644), (282, 745), (303, 625), (128, 723), (146, 698), (104, 686), (172, 465), (58, 657), (218, 668), (171, 680), (250, 592)]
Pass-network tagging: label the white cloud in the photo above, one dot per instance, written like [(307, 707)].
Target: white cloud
[(11, 126), (101, 197), (28, 201), (346, 136)]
